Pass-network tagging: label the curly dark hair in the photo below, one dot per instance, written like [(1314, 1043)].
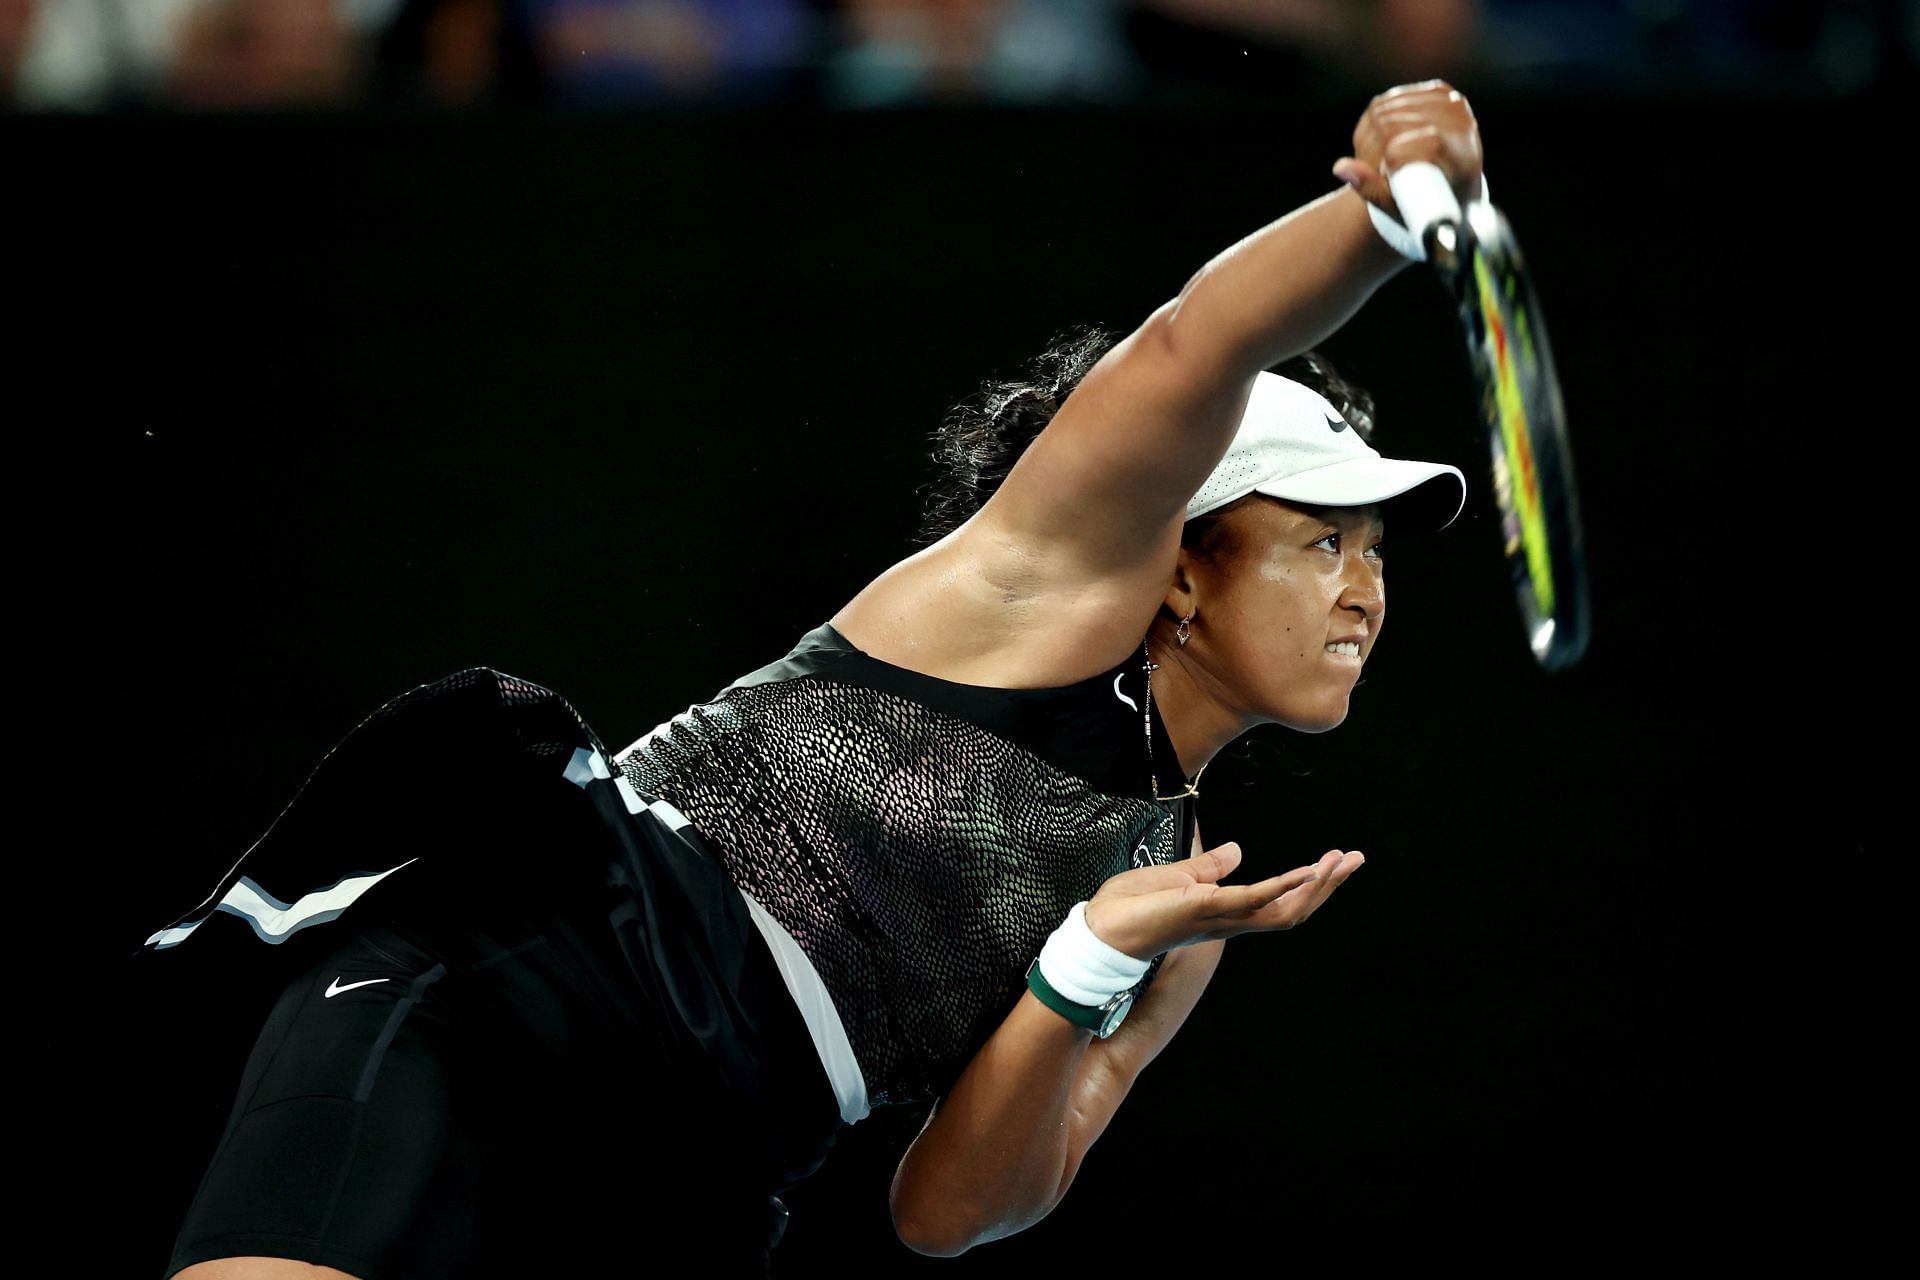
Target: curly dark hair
[(981, 438)]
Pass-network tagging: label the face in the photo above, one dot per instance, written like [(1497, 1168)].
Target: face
[(1292, 607)]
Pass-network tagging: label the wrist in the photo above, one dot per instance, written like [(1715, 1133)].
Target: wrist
[(1396, 235), (1084, 980), (1086, 1017), (1083, 967), (1393, 234), (1377, 257)]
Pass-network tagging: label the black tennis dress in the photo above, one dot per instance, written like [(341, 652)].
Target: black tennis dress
[(546, 1002)]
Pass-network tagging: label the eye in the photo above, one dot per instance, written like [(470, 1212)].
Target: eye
[(1332, 543)]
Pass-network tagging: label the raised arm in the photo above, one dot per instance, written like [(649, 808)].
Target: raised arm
[(1001, 1149), (1103, 490), (1064, 567)]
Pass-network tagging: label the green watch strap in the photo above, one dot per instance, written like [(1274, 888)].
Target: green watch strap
[(1090, 1016)]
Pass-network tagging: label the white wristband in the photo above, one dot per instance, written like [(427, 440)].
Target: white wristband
[(1396, 235), (1404, 242), (1084, 969)]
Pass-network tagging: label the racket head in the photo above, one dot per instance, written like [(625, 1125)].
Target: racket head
[(1532, 458)]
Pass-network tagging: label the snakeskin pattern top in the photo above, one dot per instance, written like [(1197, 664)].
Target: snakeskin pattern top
[(918, 838)]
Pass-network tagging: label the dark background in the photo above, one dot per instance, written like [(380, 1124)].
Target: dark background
[(308, 410)]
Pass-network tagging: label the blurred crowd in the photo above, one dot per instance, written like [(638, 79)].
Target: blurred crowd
[(90, 55)]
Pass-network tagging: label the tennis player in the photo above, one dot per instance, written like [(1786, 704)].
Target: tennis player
[(546, 1001)]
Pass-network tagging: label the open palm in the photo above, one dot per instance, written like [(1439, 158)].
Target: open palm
[(1153, 909)]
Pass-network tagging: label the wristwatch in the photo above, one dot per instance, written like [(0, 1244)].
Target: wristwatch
[(1101, 1019)]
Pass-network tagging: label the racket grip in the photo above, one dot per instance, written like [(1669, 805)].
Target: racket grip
[(1425, 197)]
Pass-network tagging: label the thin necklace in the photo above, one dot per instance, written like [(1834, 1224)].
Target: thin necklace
[(1153, 775)]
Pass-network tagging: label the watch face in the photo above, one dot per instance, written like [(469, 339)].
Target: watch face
[(1116, 1013)]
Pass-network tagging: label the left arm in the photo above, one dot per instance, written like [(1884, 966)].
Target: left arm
[(1111, 1066), (1000, 1149), (985, 1168)]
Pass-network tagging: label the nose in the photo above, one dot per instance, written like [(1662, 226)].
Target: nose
[(1364, 593)]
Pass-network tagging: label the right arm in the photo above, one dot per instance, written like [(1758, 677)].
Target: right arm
[(1067, 562), (1106, 482), (1104, 488)]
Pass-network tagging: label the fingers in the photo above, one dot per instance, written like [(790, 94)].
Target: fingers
[(1428, 121), (1213, 864), (1300, 878), (1204, 868), (1349, 863), (1149, 909), (1284, 901), (1353, 172), (1359, 175), (1413, 144), (1333, 871), (1240, 900)]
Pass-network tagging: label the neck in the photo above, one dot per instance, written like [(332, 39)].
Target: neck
[(1197, 718)]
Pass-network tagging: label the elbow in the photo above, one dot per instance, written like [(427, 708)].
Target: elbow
[(928, 1244), (1160, 330), (947, 1228), (940, 1221), (1185, 347), (927, 1236)]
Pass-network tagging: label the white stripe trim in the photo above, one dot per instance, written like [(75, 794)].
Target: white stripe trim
[(273, 920), (674, 819), (171, 937), (585, 766), (810, 996)]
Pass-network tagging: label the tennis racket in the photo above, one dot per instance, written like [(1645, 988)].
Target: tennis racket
[(1479, 259)]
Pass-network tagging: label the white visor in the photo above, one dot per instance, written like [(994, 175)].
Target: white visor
[(1293, 445)]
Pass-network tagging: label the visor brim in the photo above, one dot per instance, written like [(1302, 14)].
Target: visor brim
[(1429, 494)]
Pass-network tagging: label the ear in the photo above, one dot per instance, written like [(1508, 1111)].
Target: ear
[(1183, 593)]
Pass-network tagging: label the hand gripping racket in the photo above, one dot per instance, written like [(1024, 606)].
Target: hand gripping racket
[(1479, 259)]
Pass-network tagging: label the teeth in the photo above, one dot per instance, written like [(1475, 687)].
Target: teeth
[(1350, 648)]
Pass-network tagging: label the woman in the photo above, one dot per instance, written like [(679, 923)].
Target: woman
[(935, 853)]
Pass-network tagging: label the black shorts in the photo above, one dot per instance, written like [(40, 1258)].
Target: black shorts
[(477, 1097)]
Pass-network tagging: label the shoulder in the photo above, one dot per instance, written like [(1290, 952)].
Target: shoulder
[(970, 618), (980, 609)]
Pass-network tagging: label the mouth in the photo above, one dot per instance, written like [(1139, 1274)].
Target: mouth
[(1344, 649)]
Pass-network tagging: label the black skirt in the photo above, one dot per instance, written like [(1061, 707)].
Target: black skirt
[(522, 1022)]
